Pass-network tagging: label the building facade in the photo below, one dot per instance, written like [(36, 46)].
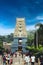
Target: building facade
[(7, 46), (20, 35)]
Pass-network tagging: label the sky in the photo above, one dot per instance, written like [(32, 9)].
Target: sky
[(31, 10)]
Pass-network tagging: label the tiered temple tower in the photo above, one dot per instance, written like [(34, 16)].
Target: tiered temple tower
[(20, 35), (20, 30)]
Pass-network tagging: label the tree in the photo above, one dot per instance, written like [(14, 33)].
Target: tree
[(9, 38), (30, 38), (40, 34)]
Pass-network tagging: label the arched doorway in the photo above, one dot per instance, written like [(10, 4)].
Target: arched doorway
[(20, 44)]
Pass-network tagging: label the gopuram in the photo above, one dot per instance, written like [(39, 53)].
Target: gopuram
[(20, 36)]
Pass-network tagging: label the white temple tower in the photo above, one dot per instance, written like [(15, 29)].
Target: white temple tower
[(20, 30), (20, 35)]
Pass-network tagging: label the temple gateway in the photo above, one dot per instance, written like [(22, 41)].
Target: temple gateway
[(20, 36)]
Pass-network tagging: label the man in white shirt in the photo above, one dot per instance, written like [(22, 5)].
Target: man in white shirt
[(8, 58), (32, 60), (27, 60)]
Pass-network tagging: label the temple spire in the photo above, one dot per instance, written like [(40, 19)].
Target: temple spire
[(20, 29)]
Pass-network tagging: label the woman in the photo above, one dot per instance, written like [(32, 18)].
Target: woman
[(11, 60)]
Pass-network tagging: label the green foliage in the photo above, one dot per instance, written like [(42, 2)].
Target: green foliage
[(35, 50), (40, 34), (7, 38), (30, 38), (1, 44)]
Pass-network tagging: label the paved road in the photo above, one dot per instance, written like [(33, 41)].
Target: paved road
[(18, 60)]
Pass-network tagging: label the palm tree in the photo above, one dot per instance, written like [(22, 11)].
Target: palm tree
[(40, 34)]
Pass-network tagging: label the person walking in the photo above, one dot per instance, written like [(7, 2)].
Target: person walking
[(22, 54), (32, 60), (8, 58), (11, 60), (27, 60), (4, 60)]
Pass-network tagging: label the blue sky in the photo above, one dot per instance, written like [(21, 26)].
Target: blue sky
[(32, 10)]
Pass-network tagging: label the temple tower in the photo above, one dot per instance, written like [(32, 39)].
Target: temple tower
[(20, 30), (20, 35)]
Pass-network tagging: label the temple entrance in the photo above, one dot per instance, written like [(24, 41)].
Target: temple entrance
[(19, 48), (19, 44)]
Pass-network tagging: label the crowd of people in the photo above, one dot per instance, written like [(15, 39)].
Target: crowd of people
[(31, 59), (28, 58), (7, 58)]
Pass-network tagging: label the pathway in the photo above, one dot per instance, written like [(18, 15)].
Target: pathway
[(17, 60)]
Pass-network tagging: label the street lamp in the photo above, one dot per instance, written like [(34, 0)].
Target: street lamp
[(37, 27)]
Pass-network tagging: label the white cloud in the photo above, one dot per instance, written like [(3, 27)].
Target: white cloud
[(39, 17), (41, 22), (4, 31), (30, 27)]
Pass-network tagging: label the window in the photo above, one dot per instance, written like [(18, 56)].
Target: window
[(20, 21), (19, 30), (20, 24), (20, 27)]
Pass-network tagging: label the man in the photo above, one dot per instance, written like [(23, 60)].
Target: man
[(8, 58), (32, 59), (27, 59), (4, 60)]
